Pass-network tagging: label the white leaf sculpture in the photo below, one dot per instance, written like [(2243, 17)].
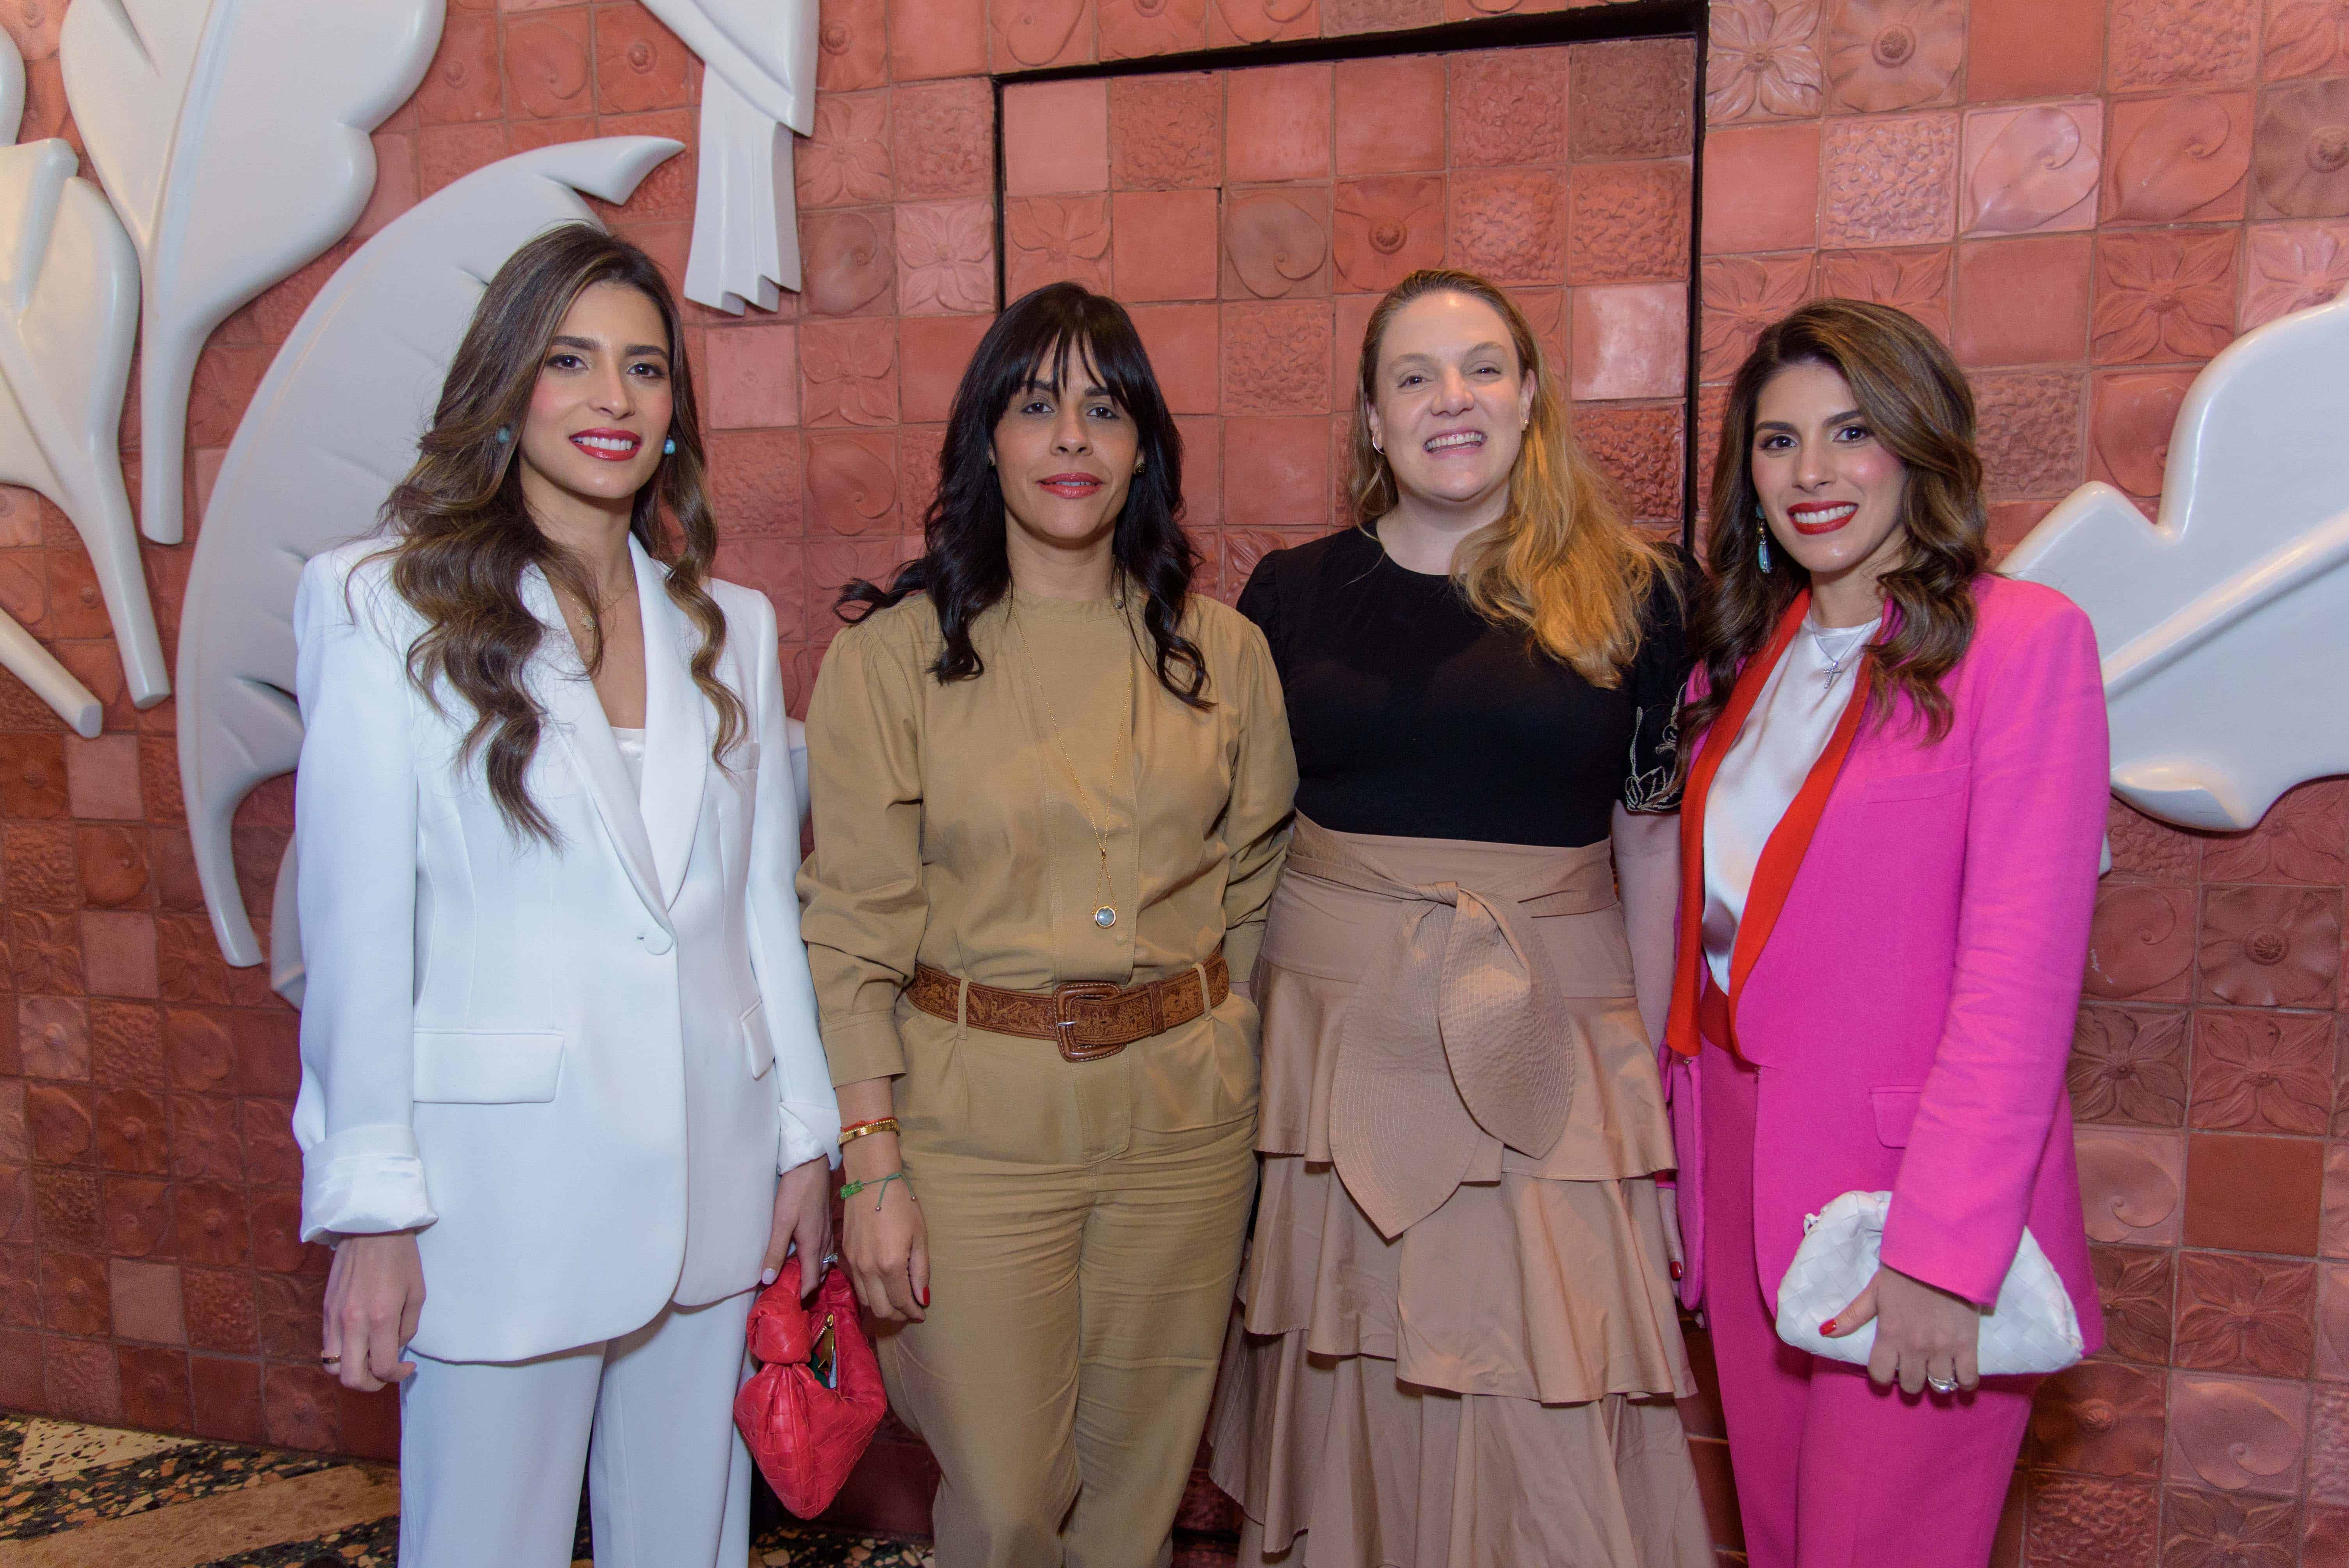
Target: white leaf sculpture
[(232, 136), (331, 428), (759, 87), (2223, 624), (68, 318)]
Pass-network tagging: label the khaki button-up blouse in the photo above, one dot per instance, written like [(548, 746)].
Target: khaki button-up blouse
[(949, 830)]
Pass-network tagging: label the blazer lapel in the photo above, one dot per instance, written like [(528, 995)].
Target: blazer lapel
[(1681, 1031), (676, 727), (559, 679)]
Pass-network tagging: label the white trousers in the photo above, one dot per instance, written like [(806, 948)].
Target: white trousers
[(490, 1452)]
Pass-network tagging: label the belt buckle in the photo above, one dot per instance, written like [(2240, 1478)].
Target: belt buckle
[(1064, 1027)]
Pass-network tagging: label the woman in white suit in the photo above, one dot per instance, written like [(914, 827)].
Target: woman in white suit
[(564, 1105)]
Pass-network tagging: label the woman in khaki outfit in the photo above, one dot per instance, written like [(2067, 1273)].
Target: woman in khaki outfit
[(1050, 788)]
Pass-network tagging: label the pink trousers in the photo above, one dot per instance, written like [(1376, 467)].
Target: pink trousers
[(1832, 1472)]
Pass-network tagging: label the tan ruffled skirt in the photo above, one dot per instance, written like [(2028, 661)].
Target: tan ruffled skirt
[(1494, 1386)]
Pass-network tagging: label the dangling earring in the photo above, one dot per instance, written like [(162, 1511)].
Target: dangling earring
[(504, 435), (669, 447), (1377, 448), (1761, 536)]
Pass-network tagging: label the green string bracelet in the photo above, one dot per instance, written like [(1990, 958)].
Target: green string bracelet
[(854, 1188)]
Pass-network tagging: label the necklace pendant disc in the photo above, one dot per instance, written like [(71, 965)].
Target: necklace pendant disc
[(1105, 917)]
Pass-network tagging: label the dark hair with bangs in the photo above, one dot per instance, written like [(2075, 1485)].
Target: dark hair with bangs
[(964, 566)]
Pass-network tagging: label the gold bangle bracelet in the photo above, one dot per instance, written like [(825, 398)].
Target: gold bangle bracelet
[(867, 1129)]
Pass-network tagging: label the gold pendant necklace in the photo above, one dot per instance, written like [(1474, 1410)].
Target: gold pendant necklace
[(1105, 912)]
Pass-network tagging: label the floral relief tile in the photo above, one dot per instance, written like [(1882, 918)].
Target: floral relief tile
[(1508, 106), (1166, 132), (1741, 296), (1276, 244), (2248, 1315), (1631, 99), (1384, 228), (848, 373), (2128, 1066), (2132, 1185), (1913, 280), (1890, 179), (1132, 28), (2031, 170), (2131, 417), (846, 163), (2263, 1072), (2207, 1527), (945, 258), (2164, 295), (2134, 1286), (1884, 55), (2332, 1323), (2305, 838), (2300, 154), (2306, 38), (2099, 1418), (2271, 946), (2255, 1195), (2236, 1434), (2029, 433), (2292, 266), (1762, 61), (2181, 43)]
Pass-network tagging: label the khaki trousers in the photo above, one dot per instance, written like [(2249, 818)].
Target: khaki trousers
[(1078, 1300)]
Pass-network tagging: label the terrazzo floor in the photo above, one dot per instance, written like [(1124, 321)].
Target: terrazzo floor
[(74, 1496)]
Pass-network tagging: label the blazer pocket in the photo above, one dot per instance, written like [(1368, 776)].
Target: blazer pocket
[(758, 1045), (471, 1067), (1896, 1112), (1916, 786)]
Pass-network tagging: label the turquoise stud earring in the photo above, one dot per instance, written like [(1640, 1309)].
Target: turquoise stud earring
[(669, 447), (504, 435)]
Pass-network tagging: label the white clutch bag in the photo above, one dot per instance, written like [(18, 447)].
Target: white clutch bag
[(2032, 1329)]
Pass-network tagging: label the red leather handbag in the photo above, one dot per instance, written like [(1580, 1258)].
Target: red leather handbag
[(812, 1407)]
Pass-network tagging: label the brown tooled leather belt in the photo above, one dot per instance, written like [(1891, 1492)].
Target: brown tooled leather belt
[(1088, 1019)]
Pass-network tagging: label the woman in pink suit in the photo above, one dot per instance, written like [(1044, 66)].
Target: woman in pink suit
[(1888, 858)]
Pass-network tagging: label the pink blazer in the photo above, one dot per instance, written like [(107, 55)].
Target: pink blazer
[(1910, 1010)]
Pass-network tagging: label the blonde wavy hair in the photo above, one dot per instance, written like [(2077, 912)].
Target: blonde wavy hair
[(1562, 563)]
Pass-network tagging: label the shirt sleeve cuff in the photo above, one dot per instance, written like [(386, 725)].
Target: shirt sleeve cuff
[(808, 1132), (364, 1180), (863, 1046)]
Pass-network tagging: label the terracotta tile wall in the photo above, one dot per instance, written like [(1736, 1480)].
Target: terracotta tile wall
[(2089, 198)]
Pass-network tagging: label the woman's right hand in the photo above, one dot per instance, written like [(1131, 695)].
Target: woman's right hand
[(882, 1235), (374, 1294)]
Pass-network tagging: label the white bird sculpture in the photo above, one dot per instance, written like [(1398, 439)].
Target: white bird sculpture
[(2225, 624), (759, 88)]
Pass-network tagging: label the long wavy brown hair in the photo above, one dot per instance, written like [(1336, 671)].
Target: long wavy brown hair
[(1561, 563), (463, 537), (1918, 404)]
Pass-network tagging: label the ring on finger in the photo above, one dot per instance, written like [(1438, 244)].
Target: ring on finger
[(324, 1360), (1941, 1385)]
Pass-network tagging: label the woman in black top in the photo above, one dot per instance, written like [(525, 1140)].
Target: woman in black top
[(1458, 1344)]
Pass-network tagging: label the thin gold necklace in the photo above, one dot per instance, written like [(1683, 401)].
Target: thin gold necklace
[(1105, 912)]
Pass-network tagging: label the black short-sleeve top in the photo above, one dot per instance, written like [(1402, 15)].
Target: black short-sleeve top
[(1415, 717)]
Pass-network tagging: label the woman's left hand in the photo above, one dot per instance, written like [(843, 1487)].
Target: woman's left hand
[(1922, 1332), (802, 1221)]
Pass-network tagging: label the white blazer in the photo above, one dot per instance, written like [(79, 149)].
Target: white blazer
[(579, 1069)]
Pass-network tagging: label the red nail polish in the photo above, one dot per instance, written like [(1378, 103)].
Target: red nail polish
[(1678, 1271), (1829, 1327), (926, 1298)]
